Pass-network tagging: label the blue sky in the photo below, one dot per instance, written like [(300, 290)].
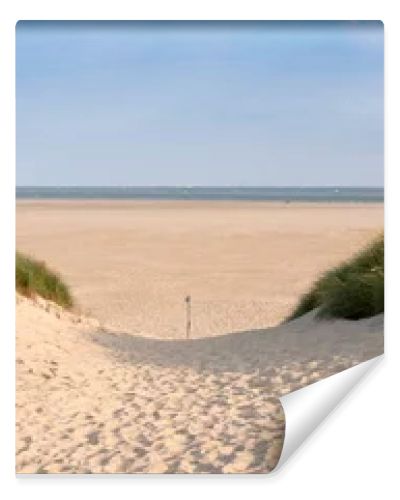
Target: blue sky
[(259, 103)]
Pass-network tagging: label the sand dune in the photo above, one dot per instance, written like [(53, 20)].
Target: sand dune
[(92, 400)]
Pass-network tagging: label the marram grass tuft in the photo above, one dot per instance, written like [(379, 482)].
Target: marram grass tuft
[(34, 278), (353, 290)]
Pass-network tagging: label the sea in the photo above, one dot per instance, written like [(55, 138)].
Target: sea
[(284, 194)]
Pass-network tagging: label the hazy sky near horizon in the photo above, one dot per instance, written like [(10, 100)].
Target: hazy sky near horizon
[(158, 103)]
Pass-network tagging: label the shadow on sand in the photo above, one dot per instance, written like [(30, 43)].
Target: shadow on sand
[(299, 341)]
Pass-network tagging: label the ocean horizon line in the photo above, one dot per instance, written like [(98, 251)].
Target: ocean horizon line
[(211, 193), (199, 186)]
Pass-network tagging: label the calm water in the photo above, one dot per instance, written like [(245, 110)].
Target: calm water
[(330, 194)]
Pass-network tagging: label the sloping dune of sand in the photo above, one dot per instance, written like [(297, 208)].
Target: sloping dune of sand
[(90, 400)]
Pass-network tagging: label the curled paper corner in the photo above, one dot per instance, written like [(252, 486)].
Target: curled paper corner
[(308, 407)]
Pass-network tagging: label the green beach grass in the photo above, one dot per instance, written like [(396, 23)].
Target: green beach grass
[(352, 290), (33, 278)]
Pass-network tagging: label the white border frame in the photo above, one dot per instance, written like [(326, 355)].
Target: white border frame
[(354, 451)]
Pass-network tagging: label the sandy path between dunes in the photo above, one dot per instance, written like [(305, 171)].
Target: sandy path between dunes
[(131, 263), (90, 400)]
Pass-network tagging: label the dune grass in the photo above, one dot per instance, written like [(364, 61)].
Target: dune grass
[(33, 278), (352, 290)]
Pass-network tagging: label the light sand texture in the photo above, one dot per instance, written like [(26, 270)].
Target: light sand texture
[(89, 400), (131, 263)]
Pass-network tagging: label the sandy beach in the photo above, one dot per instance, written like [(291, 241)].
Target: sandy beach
[(113, 386), (130, 264)]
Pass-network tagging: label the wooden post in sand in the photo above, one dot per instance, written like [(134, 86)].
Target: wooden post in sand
[(188, 315)]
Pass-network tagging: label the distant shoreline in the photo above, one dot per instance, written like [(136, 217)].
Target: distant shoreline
[(249, 194)]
